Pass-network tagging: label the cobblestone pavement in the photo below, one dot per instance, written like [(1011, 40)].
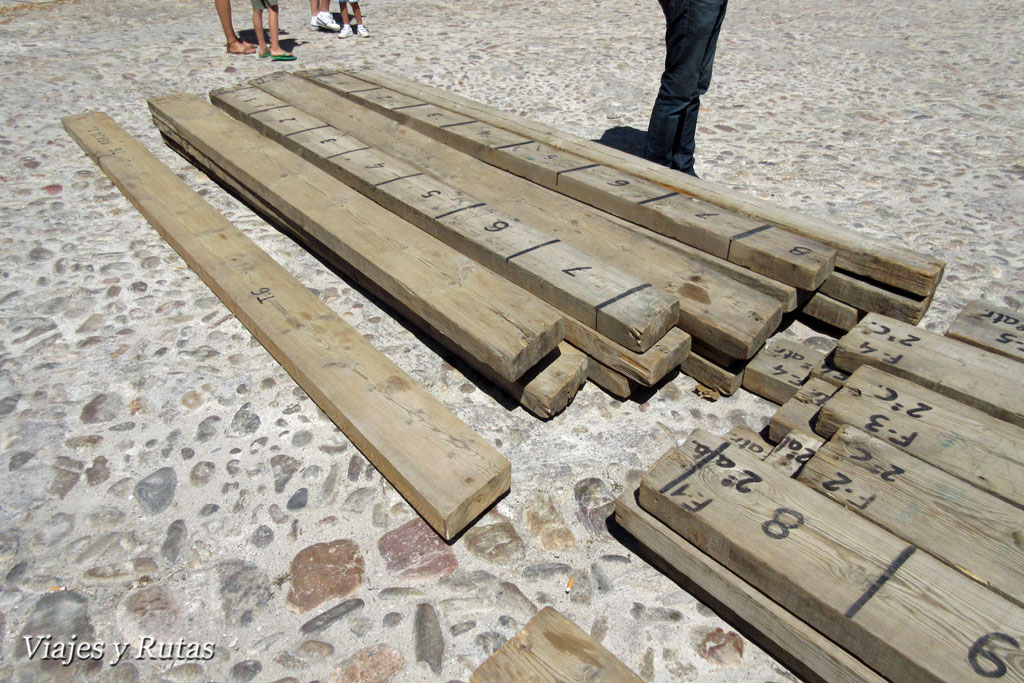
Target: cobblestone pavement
[(166, 484)]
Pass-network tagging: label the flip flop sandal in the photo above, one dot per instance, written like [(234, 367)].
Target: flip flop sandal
[(286, 57), (264, 55)]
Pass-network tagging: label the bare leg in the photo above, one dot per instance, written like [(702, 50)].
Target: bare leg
[(344, 12), (359, 15), (257, 23), (313, 11), (275, 47), (234, 44)]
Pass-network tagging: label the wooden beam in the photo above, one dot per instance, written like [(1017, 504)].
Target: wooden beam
[(883, 262), (827, 371), (647, 368), (782, 367), (550, 649), (725, 380), (544, 390), (899, 610), (964, 527), (761, 247), (980, 379), (506, 328), (867, 296), (832, 312), (990, 327), (747, 439), (794, 451), (616, 304), (941, 431), (798, 646), (800, 413), (617, 385), (713, 305), (445, 470)]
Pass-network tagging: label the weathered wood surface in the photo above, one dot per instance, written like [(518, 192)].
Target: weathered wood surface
[(901, 611), (794, 451), (747, 439), (869, 297), (763, 248), (713, 305), (616, 304), (826, 370), (990, 327), (893, 265), (552, 649), (801, 412), (961, 525), (780, 368), (647, 368), (544, 390), (614, 383), (446, 471), (725, 381), (824, 308), (505, 327), (816, 391), (956, 438), (808, 653), (980, 379)]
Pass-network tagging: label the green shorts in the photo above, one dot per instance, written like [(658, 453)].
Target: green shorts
[(263, 4)]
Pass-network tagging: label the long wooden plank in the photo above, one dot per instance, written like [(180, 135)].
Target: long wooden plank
[(790, 640), (446, 471), (544, 390), (899, 610), (970, 375), (869, 297), (956, 438), (614, 383), (963, 526), (990, 327), (647, 368), (508, 329), (764, 248), (616, 304), (725, 380), (551, 649), (713, 305), (824, 308), (887, 263), (781, 367)]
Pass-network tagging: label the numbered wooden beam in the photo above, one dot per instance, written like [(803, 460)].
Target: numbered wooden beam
[(506, 328), (544, 390), (550, 649), (624, 308), (961, 525), (869, 297), (759, 246), (799, 647), (747, 439), (801, 412), (782, 367), (970, 375), (831, 311), (794, 451), (647, 368), (445, 470), (827, 371), (943, 432), (713, 305), (886, 263), (901, 611), (990, 327)]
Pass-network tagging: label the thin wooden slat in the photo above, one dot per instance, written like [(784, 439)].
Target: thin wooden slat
[(980, 379), (765, 249), (446, 471), (620, 306), (824, 308), (887, 263), (615, 384), (713, 305), (805, 651), (782, 366), (990, 327), (794, 451), (866, 296), (898, 609), (647, 368), (544, 390), (506, 328), (550, 649), (963, 526), (956, 438)]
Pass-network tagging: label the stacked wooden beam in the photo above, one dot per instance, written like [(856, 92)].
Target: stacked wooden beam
[(884, 528)]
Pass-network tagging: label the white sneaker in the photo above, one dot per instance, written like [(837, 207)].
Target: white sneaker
[(325, 21), (361, 30), (346, 31)]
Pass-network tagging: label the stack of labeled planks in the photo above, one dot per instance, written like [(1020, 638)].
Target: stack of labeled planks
[(885, 526), (822, 270)]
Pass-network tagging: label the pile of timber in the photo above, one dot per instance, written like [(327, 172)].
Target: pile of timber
[(878, 532), (539, 259)]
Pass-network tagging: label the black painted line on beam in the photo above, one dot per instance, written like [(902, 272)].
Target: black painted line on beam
[(288, 135), (461, 123), (472, 206), (752, 231), (357, 149), (526, 251), (581, 168), (654, 199), (698, 465), (516, 144), (628, 292), (411, 175), (278, 106), (880, 581), (410, 106), (353, 92)]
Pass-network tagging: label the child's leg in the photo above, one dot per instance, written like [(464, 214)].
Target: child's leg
[(344, 12), (275, 47), (313, 5), (359, 15), (257, 24), (325, 6)]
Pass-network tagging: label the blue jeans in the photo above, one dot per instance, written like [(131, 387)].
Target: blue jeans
[(691, 34)]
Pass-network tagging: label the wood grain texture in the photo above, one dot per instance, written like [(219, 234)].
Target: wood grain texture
[(748, 440), (794, 414), (808, 653), (901, 611), (780, 368), (505, 327), (824, 308), (794, 451), (826, 370), (726, 381), (615, 384), (941, 431), (980, 379), (620, 306), (961, 525), (445, 470), (990, 327), (887, 263), (867, 296), (647, 368), (714, 305), (551, 649)]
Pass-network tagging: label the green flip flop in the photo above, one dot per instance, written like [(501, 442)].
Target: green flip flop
[(264, 55), (286, 57)]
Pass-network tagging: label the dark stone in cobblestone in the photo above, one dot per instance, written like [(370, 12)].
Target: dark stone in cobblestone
[(326, 619), (202, 472), (244, 589), (262, 537), (207, 429), (324, 571), (19, 459), (489, 642), (283, 467), (244, 422), (428, 639), (298, 500), (173, 543), (156, 491), (246, 670)]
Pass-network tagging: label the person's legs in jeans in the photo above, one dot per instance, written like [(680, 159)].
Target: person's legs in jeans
[(691, 35)]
